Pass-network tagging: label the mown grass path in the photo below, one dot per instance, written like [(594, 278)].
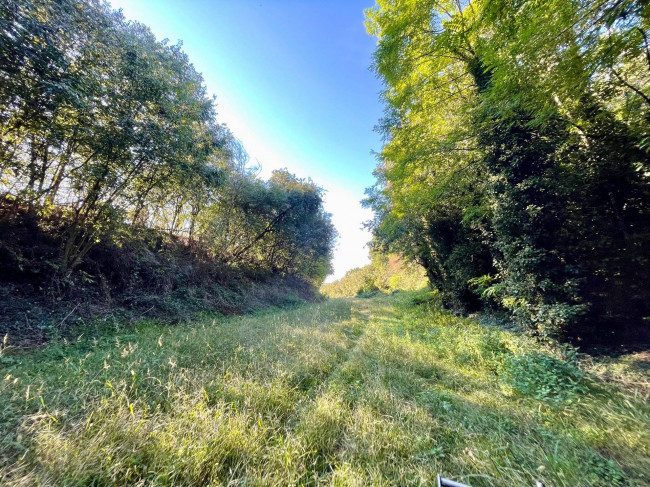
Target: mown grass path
[(378, 391)]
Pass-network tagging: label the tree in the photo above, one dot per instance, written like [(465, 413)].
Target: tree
[(508, 145), (113, 130)]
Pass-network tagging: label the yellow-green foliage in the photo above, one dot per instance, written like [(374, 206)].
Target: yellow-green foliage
[(385, 273), (378, 391)]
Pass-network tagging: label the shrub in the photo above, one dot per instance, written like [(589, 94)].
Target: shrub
[(545, 377)]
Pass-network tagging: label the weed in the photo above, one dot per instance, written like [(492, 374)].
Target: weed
[(544, 377)]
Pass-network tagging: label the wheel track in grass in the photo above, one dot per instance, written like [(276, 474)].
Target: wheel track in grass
[(326, 450)]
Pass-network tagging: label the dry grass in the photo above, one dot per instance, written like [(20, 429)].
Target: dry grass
[(347, 392)]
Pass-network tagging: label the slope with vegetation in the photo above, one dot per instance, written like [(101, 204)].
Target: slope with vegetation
[(379, 391), (516, 168), (119, 188)]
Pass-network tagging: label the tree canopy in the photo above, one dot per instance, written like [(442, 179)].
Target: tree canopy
[(516, 161), (114, 130)]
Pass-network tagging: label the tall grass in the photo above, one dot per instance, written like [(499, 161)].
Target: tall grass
[(348, 392)]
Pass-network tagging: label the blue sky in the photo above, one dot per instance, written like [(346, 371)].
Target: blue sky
[(292, 83)]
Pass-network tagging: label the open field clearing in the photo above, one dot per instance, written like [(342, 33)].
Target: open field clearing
[(383, 391)]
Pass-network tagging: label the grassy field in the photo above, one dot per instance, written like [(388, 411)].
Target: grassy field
[(383, 391)]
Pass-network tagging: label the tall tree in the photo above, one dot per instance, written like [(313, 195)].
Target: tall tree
[(519, 104)]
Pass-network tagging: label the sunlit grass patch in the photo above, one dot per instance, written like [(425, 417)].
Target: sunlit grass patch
[(376, 391), (123, 443)]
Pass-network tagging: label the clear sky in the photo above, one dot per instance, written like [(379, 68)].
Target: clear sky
[(292, 82)]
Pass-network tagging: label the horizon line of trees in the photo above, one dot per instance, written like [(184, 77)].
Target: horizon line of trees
[(516, 162), (385, 273), (112, 130)]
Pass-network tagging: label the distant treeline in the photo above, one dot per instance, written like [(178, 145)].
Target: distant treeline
[(516, 164), (105, 131), (385, 273)]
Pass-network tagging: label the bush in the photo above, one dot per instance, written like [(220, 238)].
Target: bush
[(130, 275), (544, 377)]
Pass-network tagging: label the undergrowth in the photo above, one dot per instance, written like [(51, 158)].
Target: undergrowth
[(384, 391), (127, 276)]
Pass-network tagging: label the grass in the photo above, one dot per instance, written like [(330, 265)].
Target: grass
[(377, 391)]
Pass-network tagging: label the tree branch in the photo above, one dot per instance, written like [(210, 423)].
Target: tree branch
[(636, 90)]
